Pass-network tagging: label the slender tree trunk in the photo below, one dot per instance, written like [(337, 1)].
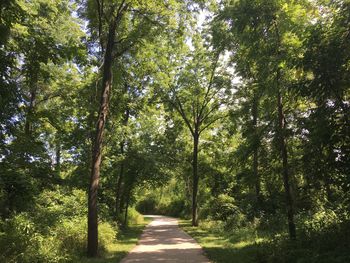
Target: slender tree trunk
[(256, 175), (122, 198), (281, 130), (215, 188), (119, 183), (121, 172), (32, 100), (327, 180), (195, 179), (285, 170), (255, 153), (58, 159), (92, 246), (126, 210)]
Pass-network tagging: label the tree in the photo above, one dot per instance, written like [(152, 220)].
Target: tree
[(118, 26), (262, 37), (324, 84), (197, 94), (37, 47)]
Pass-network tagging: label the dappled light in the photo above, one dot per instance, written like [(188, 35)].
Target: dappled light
[(231, 117), (163, 241)]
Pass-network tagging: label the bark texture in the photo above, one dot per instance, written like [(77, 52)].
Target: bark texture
[(92, 247), (195, 179)]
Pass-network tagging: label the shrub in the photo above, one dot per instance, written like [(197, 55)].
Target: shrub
[(55, 205), (147, 206), (71, 234), (134, 217), (107, 234), (321, 219), (177, 208), (213, 226), (223, 208), (56, 231), (18, 240)]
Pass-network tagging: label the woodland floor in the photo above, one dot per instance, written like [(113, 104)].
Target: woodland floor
[(163, 241)]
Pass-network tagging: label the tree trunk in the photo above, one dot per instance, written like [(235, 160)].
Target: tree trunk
[(255, 153), (119, 184), (215, 189), (195, 179), (284, 153), (121, 172), (256, 175), (32, 101), (92, 246), (58, 159), (281, 130), (126, 211)]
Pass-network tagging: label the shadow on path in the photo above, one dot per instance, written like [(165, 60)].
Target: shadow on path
[(163, 241)]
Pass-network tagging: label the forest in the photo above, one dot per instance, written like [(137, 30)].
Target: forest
[(232, 115)]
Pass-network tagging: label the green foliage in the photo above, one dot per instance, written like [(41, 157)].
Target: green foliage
[(134, 217), (172, 79), (147, 206), (221, 207), (248, 244), (166, 200), (53, 231), (176, 208), (54, 206), (18, 241), (150, 205)]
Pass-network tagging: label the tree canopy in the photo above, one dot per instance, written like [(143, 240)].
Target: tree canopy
[(231, 113)]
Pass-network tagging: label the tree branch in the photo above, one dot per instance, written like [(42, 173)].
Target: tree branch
[(211, 122), (183, 115), (210, 84), (215, 107), (100, 13), (178, 107)]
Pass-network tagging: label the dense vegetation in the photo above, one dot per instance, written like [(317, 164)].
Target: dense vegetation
[(233, 113)]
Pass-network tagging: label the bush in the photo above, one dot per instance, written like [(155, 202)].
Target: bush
[(220, 208), (56, 231), (147, 206), (71, 234), (107, 234), (316, 243), (223, 208), (321, 219), (53, 206), (19, 242), (213, 226), (273, 223), (134, 217), (177, 208)]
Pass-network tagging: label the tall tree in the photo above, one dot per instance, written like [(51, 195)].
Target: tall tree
[(196, 93), (38, 46), (264, 32), (118, 26)]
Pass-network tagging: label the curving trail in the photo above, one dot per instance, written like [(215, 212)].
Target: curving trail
[(164, 241)]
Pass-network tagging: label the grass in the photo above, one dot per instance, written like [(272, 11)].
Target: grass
[(241, 246), (244, 245), (126, 240)]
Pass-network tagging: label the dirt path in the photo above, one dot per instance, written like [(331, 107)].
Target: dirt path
[(164, 241)]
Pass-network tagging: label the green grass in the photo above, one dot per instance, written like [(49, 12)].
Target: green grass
[(241, 246), (126, 240), (245, 245)]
